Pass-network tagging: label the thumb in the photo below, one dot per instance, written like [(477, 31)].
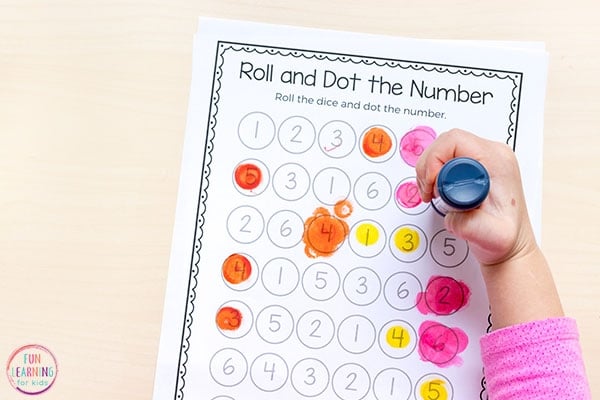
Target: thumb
[(472, 226), (488, 238)]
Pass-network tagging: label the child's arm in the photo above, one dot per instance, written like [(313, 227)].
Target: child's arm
[(518, 280), (537, 354)]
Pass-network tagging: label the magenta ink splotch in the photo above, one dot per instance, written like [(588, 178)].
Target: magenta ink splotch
[(443, 296), (440, 344), (414, 143), (407, 194)]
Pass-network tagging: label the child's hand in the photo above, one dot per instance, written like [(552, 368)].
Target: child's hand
[(499, 230)]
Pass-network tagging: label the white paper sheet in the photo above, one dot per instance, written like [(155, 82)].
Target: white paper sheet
[(303, 263)]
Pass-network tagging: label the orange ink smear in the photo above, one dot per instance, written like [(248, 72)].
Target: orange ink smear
[(376, 142), (229, 318), (236, 269), (343, 208), (248, 176), (324, 233)]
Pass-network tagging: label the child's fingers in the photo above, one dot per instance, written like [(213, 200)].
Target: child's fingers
[(449, 145)]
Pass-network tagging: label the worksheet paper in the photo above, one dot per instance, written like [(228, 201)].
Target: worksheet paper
[(304, 263)]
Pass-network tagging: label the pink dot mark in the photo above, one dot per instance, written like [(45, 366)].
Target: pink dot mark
[(440, 344), (407, 195), (443, 296), (414, 143)]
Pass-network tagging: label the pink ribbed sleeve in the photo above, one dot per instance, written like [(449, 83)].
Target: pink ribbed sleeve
[(535, 360)]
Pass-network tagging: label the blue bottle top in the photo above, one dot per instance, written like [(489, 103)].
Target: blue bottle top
[(463, 183)]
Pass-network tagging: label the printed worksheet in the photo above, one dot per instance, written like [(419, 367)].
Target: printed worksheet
[(304, 262)]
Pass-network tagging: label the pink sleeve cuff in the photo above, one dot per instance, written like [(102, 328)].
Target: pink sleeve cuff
[(535, 360)]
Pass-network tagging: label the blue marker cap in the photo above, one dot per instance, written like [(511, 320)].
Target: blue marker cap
[(463, 183)]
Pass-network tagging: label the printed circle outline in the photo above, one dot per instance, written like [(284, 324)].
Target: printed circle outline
[(238, 353), (366, 374), (263, 144), (336, 274), (236, 304), (304, 120), (394, 275), (373, 274), (293, 380), (454, 282), (382, 334), (435, 258), (261, 187), (287, 372), (391, 151), (445, 329), (423, 242), (297, 329), (329, 199), (250, 281), (278, 242), (419, 134), (357, 247), (382, 180), (432, 376), (346, 151), (296, 195), (277, 340), (256, 235), (263, 274), (392, 369), (361, 318), (418, 210)]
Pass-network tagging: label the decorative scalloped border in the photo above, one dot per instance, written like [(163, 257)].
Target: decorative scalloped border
[(222, 48)]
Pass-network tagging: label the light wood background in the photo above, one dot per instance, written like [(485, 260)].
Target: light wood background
[(93, 101)]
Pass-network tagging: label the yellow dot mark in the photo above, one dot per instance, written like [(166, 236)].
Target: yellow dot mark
[(367, 234), (406, 239), (397, 337), (434, 389)]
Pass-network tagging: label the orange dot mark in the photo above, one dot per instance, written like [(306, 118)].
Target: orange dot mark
[(343, 208), (236, 268), (376, 142), (248, 176), (323, 233), (229, 318)]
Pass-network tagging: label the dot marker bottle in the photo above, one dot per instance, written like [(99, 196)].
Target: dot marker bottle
[(463, 184)]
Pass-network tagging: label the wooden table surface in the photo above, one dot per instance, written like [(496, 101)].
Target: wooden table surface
[(93, 102)]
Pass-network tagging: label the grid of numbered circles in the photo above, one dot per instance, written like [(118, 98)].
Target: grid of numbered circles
[(320, 281)]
